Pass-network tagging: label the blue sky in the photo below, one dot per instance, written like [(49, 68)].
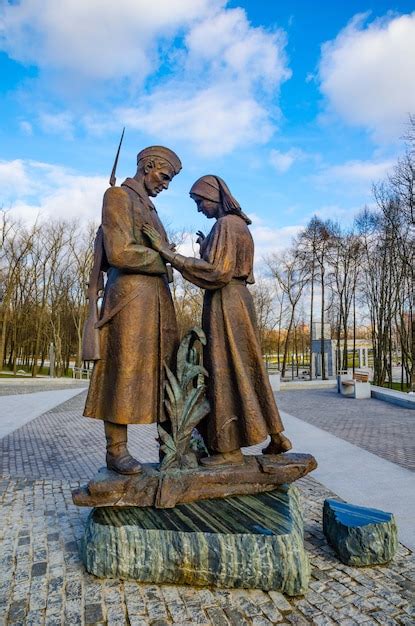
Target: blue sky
[(298, 106)]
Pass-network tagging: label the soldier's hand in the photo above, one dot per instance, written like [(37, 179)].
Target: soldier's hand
[(154, 236)]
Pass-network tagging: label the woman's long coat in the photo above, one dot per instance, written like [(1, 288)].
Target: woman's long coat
[(243, 409), (138, 332)]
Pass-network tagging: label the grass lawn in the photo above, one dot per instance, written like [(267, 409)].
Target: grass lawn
[(396, 386), (44, 371)]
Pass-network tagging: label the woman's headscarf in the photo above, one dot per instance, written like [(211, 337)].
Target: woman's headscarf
[(215, 189)]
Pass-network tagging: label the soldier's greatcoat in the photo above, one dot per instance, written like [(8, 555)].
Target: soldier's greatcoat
[(138, 332)]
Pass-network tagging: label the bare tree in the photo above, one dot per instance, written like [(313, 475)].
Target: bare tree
[(307, 249), (289, 272), (344, 259), (81, 247), (16, 245), (263, 296), (379, 285)]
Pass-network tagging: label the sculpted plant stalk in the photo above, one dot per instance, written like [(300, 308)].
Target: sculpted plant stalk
[(185, 403)]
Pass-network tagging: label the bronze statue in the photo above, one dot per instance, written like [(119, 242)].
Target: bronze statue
[(178, 478), (215, 381), (243, 410), (137, 323)]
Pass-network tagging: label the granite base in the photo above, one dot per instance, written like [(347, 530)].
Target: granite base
[(244, 541)]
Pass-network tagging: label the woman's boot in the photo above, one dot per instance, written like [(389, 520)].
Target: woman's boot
[(279, 443), (223, 458)]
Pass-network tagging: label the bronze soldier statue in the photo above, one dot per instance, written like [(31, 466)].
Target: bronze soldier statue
[(137, 324)]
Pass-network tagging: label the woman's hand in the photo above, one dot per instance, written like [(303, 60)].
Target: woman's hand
[(200, 237), (154, 236)]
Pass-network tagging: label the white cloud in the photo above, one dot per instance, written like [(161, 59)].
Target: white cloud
[(213, 120), (215, 78), (282, 161), (79, 197), (336, 212), (58, 123), (220, 100), (98, 39), (13, 179), (33, 188), (188, 245), (268, 239), (231, 46), (361, 173), (367, 74)]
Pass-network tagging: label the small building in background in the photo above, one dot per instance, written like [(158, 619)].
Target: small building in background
[(328, 349), (363, 352)]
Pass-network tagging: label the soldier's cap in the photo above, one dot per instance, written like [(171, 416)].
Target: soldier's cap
[(161, 152)]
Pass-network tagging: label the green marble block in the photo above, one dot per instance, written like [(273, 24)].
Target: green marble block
[(361, 536), (243, 541)]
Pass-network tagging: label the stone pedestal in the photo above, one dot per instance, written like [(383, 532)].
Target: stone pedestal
[(244, 541), (167, 489)]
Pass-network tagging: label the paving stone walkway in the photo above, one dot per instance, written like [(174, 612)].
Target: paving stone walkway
[(42, 580), (62, 444), (27, 386), (381, 428)]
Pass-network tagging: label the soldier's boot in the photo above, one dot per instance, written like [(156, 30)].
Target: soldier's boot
[(279, 443), (118, 458), (223, 458)]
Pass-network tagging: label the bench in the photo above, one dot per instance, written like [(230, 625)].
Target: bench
[(355, 385), (81, 373), (360, 377)]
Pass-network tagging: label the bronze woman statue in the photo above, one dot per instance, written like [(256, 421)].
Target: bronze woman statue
[(243, 409)]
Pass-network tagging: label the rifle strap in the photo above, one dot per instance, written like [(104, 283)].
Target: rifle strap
[(108, 316)]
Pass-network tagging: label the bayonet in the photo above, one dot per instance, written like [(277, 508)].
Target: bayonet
[(113, 179)]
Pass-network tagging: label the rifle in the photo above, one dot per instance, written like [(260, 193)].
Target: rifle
[(91, 339)]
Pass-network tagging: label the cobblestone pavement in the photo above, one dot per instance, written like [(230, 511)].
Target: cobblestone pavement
[(381, 428), (42, 580), (63, 444)]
